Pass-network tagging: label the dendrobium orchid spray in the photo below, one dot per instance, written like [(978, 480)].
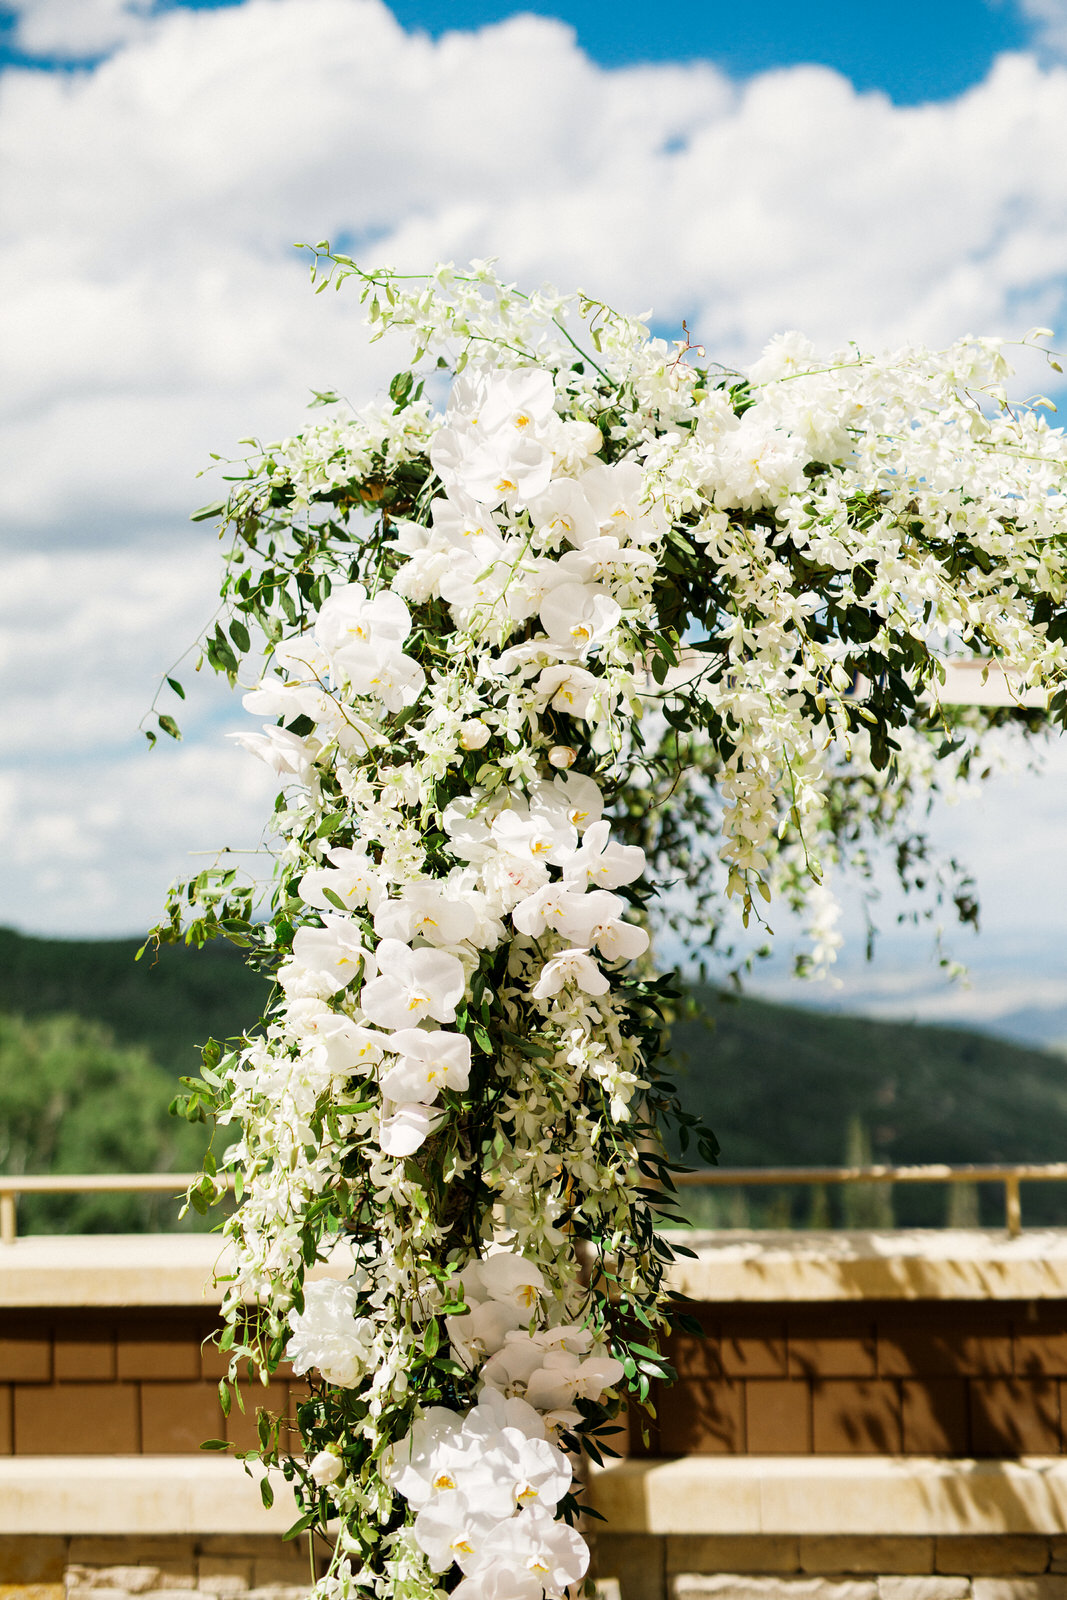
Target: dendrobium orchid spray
[(570, 614)]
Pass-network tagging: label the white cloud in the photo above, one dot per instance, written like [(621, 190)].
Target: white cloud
[(77, 29), (90, 848), (1050, 23), (152, 308)]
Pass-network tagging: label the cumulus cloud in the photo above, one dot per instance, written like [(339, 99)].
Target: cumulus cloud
[(152, 308), (76, 29), (1049, 18)]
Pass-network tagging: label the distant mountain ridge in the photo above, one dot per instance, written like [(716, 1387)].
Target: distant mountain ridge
[(780, 1085)]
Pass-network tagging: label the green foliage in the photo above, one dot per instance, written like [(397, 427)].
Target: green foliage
[(72, 1100), (90, 1044)]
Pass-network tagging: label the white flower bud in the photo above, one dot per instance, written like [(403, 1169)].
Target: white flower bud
[(473, 734), (561, 755), (326, 1468)]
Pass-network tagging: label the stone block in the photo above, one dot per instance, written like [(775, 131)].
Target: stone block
[(159, 1348), (999, 1555), (754, 1348), (269, 1572), (1015, 1417), (131, 1579), (839, 1347), (176, 1418), (732, 1553), (26, 1353), (225, 1576), (705, 1419), (927, 1588), (263, 1545), (637, 1560), (76, 1419), (934, 1416), (607, 1589), (112, 1551), (742, 1586), (32, 1591), (180, 1574), (1045, 1587), (34, 1560), (874, 1554), (855, 1416), (84, 1353), (778, 1417), (79, 1591), (7, 1420)]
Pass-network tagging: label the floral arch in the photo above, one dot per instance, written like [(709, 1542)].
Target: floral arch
[(570, 614)]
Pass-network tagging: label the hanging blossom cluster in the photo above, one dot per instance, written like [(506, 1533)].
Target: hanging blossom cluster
[(516, 643)]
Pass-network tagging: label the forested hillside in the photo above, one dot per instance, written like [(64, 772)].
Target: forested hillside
[(91, 1043)]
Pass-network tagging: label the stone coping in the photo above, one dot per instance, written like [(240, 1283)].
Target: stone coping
[(123, 1269), (833, 1495), (741, 1495), (731, 1266), (896, 1264), (104, 1495)]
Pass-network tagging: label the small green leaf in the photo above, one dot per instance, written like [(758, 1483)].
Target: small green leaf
[(266, 1493), (168, 724), (240, 635), (176, 686)]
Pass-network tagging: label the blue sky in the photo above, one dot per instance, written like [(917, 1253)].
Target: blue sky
[(912, 51), (725, 164)]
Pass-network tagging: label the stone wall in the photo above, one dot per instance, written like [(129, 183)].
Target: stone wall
[(974, 1567), (123, 1381), (218, 1567), (915, 1378)]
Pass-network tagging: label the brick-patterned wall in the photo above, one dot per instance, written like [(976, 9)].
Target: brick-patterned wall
[(941, 1378), (122, 1382)]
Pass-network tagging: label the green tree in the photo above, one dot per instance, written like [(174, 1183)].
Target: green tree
[(72, 1100)]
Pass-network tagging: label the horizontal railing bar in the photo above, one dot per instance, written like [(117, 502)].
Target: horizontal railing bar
[(175, 1183), (737, 1177)]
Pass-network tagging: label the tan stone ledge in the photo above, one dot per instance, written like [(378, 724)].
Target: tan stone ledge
[(98, 1495), (900, 1264), (133, 1269), (833, 1495), (897, 1264)]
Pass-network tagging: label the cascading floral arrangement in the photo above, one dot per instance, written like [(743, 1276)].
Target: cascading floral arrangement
[(569, 612)]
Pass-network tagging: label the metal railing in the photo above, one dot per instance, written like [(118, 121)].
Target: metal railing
[(172, 1183), (1011, 1176), (175, 1183)]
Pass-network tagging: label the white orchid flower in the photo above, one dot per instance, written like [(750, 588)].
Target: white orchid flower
[(449, 1528), (575, 616), (325, 958), (575, 967), (602, 862), (568, 688), (349, 623), (404, 1128), (351, 878), (328, 1336), (413, 984), (616, 497), (425, 909), (428, 1061), (286, 752)]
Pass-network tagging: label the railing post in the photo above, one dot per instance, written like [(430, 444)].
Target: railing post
[(8, 1216), (1013, 1211)]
